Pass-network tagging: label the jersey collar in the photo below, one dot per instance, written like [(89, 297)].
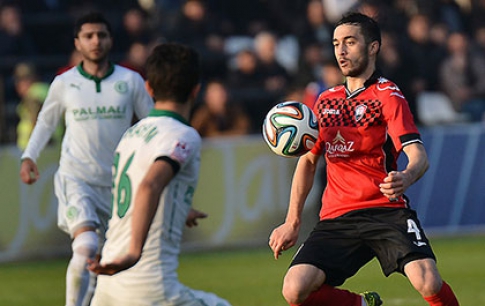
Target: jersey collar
[(165, 113), (96, 79), (372, 80)]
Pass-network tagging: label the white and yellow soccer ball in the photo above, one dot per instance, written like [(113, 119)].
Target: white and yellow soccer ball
[(290, 129)]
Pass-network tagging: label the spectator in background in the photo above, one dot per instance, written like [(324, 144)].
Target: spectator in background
[(314, 28), (32, 93), (310, 62), (386, 14), (219, 115), (438, 34), (136, 57), (245, 81), (423, 57), (74, 59), (330, 76), (135, 28), (203, 30), (462, 77), (15, 45), (246, 74), (476, 14), (392, 63), (275, 76), (479, 38), (450, 13), (334, 9), (193, 25), (281, 15), (13, 40)]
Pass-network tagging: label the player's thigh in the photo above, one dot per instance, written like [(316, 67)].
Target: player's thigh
[(335, 248), (81, 204), (397, 238)]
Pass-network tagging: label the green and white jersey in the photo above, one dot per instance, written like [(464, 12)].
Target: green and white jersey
[(162, 134), (97, 112)]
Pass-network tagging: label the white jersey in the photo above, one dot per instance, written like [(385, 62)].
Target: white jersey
[(97, 113), (162, 134)]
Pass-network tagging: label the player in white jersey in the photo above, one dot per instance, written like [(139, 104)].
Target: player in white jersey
[(156, 169), (98, 101)]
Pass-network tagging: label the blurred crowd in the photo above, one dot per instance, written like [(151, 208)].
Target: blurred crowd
[(255, 53)]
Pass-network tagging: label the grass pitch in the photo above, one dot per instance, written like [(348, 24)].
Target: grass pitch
[(254, 278)]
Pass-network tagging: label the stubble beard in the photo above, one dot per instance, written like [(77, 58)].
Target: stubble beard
[(359, 68)]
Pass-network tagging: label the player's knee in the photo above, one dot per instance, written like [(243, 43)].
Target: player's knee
[(429, 286), (424, 276), (294, 293), (85, 245)]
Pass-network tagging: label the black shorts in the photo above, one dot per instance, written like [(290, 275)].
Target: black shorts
[(341, 246)]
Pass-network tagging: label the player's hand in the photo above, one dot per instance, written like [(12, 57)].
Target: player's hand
[(282, 238), (192, 217), (29, 173), (113, 267), (394, 185)]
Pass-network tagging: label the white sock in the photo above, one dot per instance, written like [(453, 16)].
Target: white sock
[(78, 278), (364, 303)]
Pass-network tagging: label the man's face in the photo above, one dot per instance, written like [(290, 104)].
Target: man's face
[(94, 42), (350, 50)]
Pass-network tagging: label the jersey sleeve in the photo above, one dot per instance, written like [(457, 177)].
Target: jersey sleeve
[(180, 149), (47, 120), (400, 121), (143, 103), (318, 148)]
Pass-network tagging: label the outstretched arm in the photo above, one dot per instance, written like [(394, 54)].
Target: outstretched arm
[(286, 235)]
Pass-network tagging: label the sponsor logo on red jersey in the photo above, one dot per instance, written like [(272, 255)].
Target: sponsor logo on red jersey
[(339, 146)]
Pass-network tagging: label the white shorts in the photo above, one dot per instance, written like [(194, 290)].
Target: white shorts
[(178, 295), (81, 204)]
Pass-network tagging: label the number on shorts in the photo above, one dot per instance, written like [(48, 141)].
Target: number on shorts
[(413, 228)]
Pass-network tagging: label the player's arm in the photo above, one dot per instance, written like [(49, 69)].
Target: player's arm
[(47, 121), (397, 182), (145, 207), (286, 235), (142, 101)]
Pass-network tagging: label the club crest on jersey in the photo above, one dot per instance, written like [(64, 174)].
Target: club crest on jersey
[(72, 213), (360, 112), (121, 87)]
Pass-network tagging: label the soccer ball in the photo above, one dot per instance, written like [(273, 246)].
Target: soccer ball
[(290, 129)]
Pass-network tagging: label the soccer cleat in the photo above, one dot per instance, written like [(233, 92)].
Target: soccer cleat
[(372, 298)]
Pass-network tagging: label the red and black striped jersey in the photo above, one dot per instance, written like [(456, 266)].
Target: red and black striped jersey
[(361, 134)]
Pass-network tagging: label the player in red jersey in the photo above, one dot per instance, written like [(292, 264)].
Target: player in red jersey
[(364, 125)]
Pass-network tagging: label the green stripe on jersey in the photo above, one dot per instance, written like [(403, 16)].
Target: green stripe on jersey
[(166, 113)]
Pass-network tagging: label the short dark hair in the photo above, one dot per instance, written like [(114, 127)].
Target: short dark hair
[(368, 26), (173, 71), (92, 17)]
